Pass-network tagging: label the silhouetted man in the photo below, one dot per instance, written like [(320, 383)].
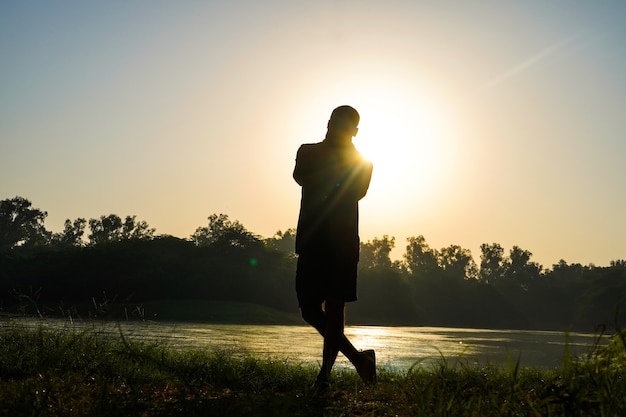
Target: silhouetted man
[(334, 177)]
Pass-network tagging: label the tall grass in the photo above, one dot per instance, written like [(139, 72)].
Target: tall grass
[(64, 372)]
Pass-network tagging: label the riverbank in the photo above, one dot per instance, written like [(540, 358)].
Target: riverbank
[(174, 310), (218, 312), (53, 373)]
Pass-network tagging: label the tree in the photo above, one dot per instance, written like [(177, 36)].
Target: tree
[(520, 269), (21, 225), (223, 232), (566, 274), (284, 242), (111, 229), (419, 258), (457, 263), (105, 229), (491, 263), (72, 234), (376, 253), (618, 263), (132, 229)]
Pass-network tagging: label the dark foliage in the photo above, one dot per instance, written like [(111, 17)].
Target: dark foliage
[(131, 272), (127, 266)]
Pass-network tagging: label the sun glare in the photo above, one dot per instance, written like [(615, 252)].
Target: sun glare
[(404, 141)]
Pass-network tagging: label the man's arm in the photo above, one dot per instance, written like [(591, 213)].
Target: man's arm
[(363, 176), (305, 169), (298, 172)]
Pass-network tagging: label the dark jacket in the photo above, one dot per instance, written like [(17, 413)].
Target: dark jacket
[(333, 179)]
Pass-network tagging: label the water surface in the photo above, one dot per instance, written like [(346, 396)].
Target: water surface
[(397, 348)]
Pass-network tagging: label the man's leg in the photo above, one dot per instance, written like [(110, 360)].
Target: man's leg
[(333, 335), (316, 317), (364, 362)]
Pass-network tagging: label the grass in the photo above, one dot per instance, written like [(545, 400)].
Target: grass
[(45, 372)]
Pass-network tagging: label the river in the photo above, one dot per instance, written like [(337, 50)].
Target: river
[(397, 348)]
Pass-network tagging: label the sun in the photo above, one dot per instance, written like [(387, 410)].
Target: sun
[(404, 138)]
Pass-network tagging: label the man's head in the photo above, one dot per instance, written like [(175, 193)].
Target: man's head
[(344, 121)]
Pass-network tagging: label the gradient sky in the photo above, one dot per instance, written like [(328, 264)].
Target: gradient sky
[(487, 121)]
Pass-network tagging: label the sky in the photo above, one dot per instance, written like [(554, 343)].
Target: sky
[(487, 121)]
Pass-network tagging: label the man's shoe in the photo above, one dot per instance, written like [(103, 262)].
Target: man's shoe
[(367, 368)]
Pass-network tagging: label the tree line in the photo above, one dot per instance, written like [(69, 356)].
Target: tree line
[(93, 265)]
